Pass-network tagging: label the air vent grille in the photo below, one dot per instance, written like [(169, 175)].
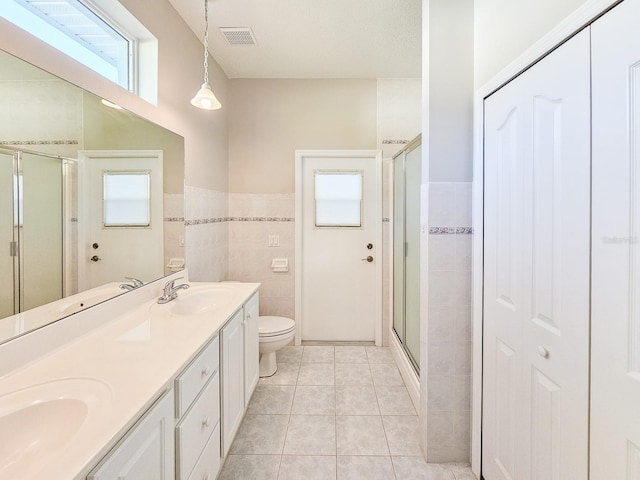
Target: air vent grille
[(238, 36)]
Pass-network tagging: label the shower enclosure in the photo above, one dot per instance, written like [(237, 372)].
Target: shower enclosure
[(33, 204), (406, 249)]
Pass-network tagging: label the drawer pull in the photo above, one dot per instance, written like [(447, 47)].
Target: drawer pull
[(206, 371), (205, 422), (248, 316)]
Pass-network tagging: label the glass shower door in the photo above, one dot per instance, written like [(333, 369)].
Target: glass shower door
[(413, 171), (398, 246), (406, 249)]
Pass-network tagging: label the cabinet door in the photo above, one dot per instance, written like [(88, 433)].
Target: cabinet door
[(147, 451), (615, 314), (251, 348), (536, 271), (232, 378)]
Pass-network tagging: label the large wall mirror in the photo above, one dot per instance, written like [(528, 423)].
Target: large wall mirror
[(89, 194)]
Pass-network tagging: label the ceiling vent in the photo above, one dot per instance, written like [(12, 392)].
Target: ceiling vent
[(238, 36)]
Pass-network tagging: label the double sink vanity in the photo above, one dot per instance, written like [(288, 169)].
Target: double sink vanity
[(130, 388)]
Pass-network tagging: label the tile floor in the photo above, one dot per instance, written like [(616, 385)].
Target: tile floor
[(335, 413)]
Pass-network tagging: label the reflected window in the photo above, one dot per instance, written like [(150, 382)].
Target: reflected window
[(338, 199), (127, 199)]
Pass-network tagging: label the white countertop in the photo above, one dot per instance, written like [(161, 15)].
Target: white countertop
[(136, 355)]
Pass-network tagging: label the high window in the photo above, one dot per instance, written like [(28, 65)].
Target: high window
[(100, 34)]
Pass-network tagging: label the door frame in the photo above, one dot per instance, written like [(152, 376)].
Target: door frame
[(576, 21), (84, 208), (301, 155)]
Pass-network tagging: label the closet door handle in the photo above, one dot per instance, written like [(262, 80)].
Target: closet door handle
[(543, 352), (368, 259)]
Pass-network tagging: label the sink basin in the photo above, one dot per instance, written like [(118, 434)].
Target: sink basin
[(80, 301), (201, 300), (38, 422)]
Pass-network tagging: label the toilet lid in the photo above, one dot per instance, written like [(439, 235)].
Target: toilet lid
[(269, 326)]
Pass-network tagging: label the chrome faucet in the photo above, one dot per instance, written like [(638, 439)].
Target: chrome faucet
[(170, 291), (135, 283)]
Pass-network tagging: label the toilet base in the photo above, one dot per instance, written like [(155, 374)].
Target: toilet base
[(268, 365)]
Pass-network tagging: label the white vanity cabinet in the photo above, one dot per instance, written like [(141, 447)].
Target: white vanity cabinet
[(147, 451), (251, 348), (187, 433), (198, 416), (240, 367), (232, 378)]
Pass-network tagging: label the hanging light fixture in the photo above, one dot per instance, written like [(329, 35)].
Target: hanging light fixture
[(205, 98)]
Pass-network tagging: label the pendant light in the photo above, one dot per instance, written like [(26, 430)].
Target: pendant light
[(205, 98)]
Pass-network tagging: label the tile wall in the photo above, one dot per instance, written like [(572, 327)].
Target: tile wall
[(206, 234), (252, 219), (449, 323), (174, 229)]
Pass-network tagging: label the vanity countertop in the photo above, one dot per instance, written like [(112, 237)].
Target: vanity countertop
[(126, 364)]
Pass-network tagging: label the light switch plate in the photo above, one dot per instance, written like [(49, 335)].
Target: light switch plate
[(274, 240)]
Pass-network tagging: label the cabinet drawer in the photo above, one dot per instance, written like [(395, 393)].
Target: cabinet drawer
[(196, 375), (209, 462), (194, 430)]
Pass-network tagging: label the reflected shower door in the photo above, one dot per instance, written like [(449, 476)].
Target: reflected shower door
[(7, 245), (41, 227)]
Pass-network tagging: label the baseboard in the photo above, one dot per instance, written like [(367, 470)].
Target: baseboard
[(409, 376)]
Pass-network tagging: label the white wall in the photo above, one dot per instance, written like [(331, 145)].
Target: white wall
[(272, 118), (506, 28)]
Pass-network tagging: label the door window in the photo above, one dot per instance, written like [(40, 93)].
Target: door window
[(338, 199)]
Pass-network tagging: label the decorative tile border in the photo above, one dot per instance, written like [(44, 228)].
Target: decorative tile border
[(395, 142), (174, 219), (450, 230), (203, 221), (261, 219), (386, 220), (39, 142)]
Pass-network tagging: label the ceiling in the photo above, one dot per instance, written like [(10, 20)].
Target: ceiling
[(313, 38)]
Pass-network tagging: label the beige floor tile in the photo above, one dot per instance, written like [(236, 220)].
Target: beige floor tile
[(311, 435), (298, 467)]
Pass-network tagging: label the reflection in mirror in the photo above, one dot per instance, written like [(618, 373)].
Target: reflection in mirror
[(58, 143)]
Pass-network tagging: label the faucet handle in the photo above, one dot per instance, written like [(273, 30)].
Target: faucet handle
[(135, 281), (171, 283)]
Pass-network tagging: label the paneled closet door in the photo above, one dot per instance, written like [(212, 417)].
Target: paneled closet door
[(536, 273), (615, 357)]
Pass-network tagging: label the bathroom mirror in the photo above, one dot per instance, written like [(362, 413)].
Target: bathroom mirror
[(65, 156)]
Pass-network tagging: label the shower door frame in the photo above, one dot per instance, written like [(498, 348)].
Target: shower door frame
[(17, 244)]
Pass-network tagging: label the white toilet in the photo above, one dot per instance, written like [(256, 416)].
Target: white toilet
[(275, 333)]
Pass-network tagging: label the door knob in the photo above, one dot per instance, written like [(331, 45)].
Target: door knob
[(369, 246), (368, 259), (95, 258)]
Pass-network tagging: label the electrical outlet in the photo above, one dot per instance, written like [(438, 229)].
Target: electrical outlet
[(274, 240), (181, 241)]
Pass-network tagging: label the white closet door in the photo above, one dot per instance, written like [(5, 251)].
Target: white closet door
[(536, 277), (615, 388)]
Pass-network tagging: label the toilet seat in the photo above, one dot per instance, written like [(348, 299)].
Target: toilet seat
[(271, 326)]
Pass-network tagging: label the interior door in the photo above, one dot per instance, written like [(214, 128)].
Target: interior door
[(615, 357), (122, 217), (341, 263), (536, 271)]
